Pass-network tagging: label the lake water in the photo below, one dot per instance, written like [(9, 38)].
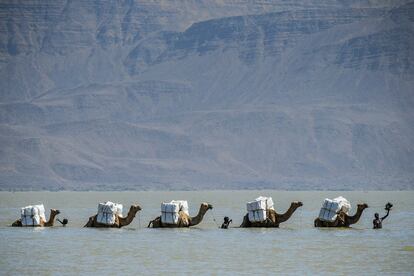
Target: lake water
[(295, 248)]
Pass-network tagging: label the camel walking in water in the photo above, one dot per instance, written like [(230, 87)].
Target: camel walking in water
[(342, 220), (119, 221), (43, 223), (184, 220), (273, 218)]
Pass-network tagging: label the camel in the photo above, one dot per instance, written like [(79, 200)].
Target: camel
[(273, 219), (342, 220), (184, 219), (119, 221), (43, 223)]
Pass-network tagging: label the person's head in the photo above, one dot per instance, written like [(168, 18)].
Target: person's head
[(376, 215), (226, 219)]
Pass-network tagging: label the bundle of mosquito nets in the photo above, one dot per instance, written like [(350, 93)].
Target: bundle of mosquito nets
[(170, 211)]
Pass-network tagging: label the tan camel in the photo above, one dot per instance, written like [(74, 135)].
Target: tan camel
[(184, 220), (342, 220), (43, 223), (273, 218), (119, 221)]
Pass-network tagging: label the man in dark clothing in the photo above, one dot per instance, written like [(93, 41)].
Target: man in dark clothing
[(378, 221), (226, 223)]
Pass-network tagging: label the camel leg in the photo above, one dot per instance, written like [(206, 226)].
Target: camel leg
[(245, 222), (90, 222), (17, 223), (156, 223)]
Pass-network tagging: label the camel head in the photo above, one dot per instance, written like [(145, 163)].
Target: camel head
[(297, 204), (206, 206), (135, 208), (54, 212), (362, 206)]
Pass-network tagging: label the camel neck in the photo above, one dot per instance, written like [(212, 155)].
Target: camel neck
[(287, 214), (354, 219), (129, 218), (197, 219), (51, 220)]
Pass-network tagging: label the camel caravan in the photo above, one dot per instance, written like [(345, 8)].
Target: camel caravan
[(175, 214)]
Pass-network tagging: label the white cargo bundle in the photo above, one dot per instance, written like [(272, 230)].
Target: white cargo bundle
[(32, 215), (257, 215), (183, 205), (331, 208), (170, 211), (257, 208), (107, 212)]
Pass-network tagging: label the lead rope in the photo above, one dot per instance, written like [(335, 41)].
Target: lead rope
[(214, 219), (139, 220)]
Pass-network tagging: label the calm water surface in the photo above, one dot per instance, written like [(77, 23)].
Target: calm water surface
[(295, 248)]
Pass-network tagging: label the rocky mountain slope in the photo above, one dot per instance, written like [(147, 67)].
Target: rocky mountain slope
[(206, 94)]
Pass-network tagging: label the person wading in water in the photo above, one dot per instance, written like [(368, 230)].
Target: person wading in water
[(378, 221), (226, 223)]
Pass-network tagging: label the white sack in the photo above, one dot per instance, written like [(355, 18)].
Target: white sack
[(169, 218), (107, 212), (183, 205), (256, 205), (331, 207), (170, 211), (260, 203), (344, 204), (257, 208), (327, 215), (170, 207), (257, 215), (32, 215)]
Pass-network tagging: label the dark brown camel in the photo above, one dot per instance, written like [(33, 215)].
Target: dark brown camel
[(43, 223), (273, 218), (184, 219), (119, 221), (342, 220)]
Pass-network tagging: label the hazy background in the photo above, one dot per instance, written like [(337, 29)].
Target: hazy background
[(206, 94)]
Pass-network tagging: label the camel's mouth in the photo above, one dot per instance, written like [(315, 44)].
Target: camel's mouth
[(210, 206)]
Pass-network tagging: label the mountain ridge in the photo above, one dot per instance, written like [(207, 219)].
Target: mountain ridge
[(131, 95)]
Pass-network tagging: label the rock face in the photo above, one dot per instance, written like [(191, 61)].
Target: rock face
[(206, 94)]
